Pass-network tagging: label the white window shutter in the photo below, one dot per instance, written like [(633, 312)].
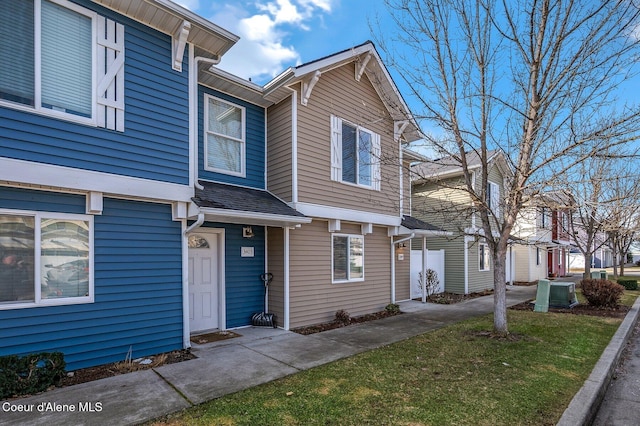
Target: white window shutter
[(375, 159), (336, 148), (110, 69)]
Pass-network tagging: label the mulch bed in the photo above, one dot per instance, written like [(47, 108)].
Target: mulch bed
[(317, 328), (581, 309)]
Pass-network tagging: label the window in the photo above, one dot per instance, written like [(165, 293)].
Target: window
[(48, 61), (355, 154), (538, 256), (224, 137), (348, 258), (483, 257), (45, 259), (493, 198)]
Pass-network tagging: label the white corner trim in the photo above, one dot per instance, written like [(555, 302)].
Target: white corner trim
[(348, 215), (178, 43), (47, 175), (307, 87)]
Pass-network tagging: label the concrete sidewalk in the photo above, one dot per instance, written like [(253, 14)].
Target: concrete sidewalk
[(260, 355)]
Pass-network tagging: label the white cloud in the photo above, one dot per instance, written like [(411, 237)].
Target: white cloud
[(263, 51)]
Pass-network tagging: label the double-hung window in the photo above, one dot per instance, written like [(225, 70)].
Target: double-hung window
[(348, 258), (62, 60), (493, 198), (355, 154), (483, 257), (45, 259), (224, 144)]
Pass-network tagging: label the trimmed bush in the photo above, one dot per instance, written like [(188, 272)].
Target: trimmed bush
[(629, 284), (602, 293), (392, 308), (30, 374), (343, 317)]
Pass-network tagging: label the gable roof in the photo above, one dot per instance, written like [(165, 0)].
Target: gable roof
[(168, 17), (452, 165), (368, 62)]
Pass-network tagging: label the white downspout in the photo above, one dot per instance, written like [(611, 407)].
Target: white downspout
[(193, 111), (393, 264), (186, 332), (294, 147), (286, 278), (424, 270), (466, 266)]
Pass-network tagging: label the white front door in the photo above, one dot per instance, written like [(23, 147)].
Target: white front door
[(203, 282)]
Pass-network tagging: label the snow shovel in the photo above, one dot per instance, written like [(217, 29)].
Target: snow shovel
[(263, 319)]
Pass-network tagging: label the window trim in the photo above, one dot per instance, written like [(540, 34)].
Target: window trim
[(348, 280), (482, 248), (37, 45), (336, 154), (243, 141), (38, 302)]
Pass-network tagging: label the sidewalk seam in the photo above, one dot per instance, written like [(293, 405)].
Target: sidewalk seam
[(174, 388)]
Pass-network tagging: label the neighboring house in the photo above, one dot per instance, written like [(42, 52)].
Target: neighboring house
[(602, 256), (542, 238), (335, 147), (98, 138), (439, 197)]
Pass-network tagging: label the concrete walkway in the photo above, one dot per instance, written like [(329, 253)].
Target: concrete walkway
[(260, 355)]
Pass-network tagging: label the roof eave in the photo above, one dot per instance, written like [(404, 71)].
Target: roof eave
[(252, 218)]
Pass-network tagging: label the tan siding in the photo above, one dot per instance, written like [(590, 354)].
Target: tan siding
[(453, 260), (279, 149), (313, 297), (403, 273), (275, 265), (339, 94)]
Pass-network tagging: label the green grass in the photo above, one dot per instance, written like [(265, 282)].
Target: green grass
[(456, 375)]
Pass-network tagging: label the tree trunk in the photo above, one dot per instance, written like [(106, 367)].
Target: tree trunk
[(500, 292)]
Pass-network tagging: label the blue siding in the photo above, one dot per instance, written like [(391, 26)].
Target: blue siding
[(243, 288), (138, 286), (255, 143), (155, 143)]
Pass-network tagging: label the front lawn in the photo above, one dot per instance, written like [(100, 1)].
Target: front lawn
[(456, 375)]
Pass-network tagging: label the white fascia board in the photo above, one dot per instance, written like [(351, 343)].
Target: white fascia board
[(252, 218), (424, 232), (47, 175), (347, 215)]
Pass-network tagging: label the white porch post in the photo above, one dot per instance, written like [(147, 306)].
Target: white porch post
[(286, 278), (424, 269)]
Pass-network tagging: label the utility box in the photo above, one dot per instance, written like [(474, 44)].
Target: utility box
[(562, 295), (603, 275)]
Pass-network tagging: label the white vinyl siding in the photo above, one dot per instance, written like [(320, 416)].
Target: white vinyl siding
[(355, 154), (224, 137), (50, 66)]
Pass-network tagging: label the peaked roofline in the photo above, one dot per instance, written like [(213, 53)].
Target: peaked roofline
[(278, 88)]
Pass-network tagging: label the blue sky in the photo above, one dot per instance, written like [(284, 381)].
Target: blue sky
[(276, 34)]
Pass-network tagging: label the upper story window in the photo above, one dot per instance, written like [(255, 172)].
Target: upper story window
[(54, 60), (45, 259), (224, 144), (493, 198), (355, 154)]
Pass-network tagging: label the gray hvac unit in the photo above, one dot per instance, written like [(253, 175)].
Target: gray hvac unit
[(562, 295)]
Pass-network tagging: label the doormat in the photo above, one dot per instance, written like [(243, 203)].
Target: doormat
[(213, 337)]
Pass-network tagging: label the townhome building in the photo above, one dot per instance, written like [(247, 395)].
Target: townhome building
[(439, 197)]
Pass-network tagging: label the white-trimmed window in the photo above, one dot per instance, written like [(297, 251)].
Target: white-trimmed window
[(45, 259), (347, 258), (483, 257), (355, 154), (224, 136), (493, 198), (62, 60)]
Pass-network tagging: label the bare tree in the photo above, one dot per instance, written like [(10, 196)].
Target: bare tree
[(532, 78)]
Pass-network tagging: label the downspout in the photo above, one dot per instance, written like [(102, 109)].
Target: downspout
[(186, 341), (424, 270), (294, 147), (195, 224), (466, 266), (393, 265), (286, 278), (193, 111)]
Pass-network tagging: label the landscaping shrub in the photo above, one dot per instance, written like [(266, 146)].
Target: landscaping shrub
[(343, 317), (629, 284), (602, 293), (392, 308), (30, 374)]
